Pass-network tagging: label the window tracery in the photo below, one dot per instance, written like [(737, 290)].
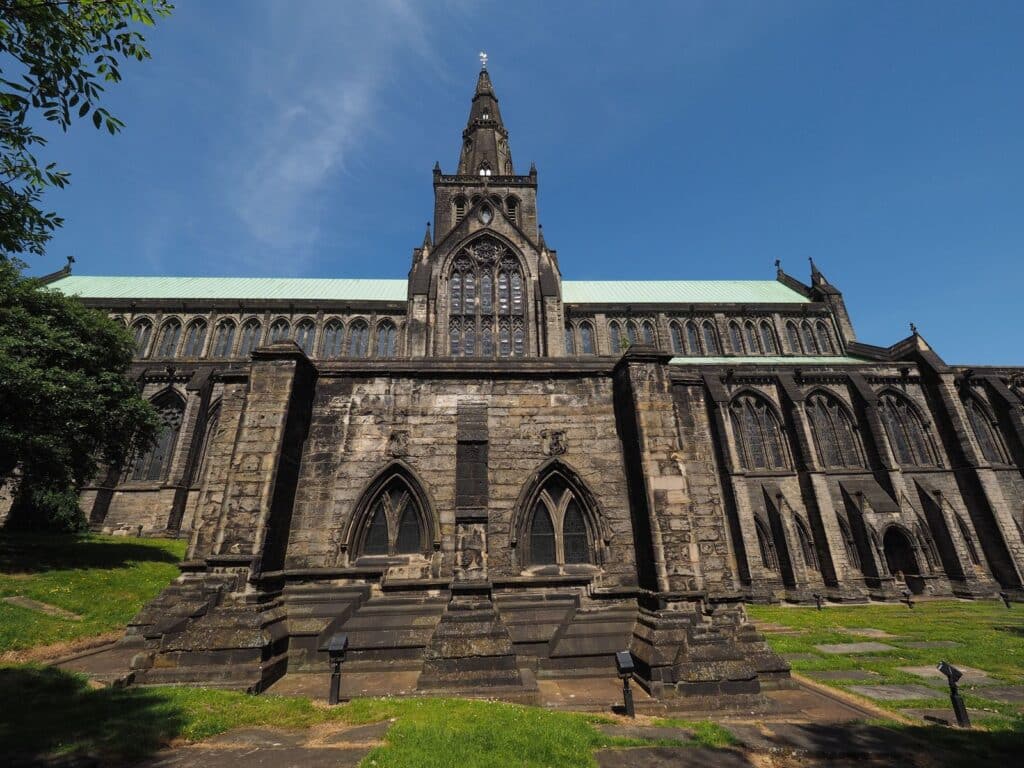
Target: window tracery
[(906, 431), (824, 339), (795, 347), (251, 333), (395, 521), (332, 343), (761, 443), (153, 464), (676, 335), (768, 338), (570, 339), (224, 339), (304, 335), (587, 338), (558, 533), (766, 545), (195, 336), (753, 343), (985, 430), (736, 338), (358, 338), (833, 430), (486, 298), (387, 339), (169, 335), (142, 330), (711, 346), (279, 331)]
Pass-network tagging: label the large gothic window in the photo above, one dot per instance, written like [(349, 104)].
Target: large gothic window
[(487, 302), (833, 431), (906, 431), (395, 521), (304, 334), (332, 342), (195, 336), (152, 465), (387, 339), (985, 431), (358, 339), (761, 443), (169, 336), (141, 332), (223, 339), (251, 333), (558, 533), (587, 338)]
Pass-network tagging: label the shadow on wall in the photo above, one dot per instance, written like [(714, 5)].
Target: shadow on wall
[(47, 711), (32, 553)]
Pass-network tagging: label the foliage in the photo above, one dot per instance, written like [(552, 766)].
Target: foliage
[(56, 56), (68, 402), (103, 579), (988, 637)]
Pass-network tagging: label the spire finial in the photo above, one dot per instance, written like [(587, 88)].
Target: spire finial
[(483, 60), (913, 329)]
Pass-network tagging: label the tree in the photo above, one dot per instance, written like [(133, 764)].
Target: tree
[(68, 405), (54, 58)]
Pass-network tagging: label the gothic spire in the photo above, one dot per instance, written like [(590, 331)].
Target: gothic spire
[(485, 150)]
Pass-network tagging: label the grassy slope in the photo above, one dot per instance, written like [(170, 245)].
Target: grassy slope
[(103, 579), (990, 637)]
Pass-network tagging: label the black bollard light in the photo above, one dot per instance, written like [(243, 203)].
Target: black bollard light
[(624, 664), (959, 708), (817, 600), (1006, 599), (336, 648), (908, 598)]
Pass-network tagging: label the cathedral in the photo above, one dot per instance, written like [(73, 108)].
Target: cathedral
[(488, 474)]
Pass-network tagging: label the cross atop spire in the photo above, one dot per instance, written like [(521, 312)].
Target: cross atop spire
[(483, 60)]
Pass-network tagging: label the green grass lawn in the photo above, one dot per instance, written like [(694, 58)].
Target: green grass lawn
[(990, 638), (103, 579)]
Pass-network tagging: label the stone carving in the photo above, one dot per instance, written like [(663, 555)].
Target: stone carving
[(471, 552), (554, 442), (398, 443)]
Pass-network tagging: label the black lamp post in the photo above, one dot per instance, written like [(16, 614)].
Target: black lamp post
[(817, 600), (959, 709), (1006, 599), (624, 665), (336, 648), (908, 598)]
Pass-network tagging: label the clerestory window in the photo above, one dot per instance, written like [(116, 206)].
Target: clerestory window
[(487, 302)]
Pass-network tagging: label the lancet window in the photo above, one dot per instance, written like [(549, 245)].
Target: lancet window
[(768, 338), (224, 339), (169, 336), (153, 464), (587, 338), (985, 431), (824, 339), (753, 343), (387, 339), (558, 529), (761, 443), (487, 302), (766, 545), (332, 343), (358, 339), (676, 335), (141, 331), (279, 330), (251, 332), (395, 522), (304, 334), (195, 336), (570, 339)]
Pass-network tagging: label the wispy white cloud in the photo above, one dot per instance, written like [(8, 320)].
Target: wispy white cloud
[(314, 86)]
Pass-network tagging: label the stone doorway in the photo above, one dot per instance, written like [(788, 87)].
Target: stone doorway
[(900, 558)]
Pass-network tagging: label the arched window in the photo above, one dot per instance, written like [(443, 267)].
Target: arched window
[(965, 533), (487, 298), (153, 464), (141, 331), (631, 333), (676, 334), (195, 336), (460, 207), (905, 430), (711, 345), (736, 338), (558, 533), (169, 335), (985, 430), (587, 338), (833, 431), (753, 344), (395, 521), (766, 545), (810, 345), (304, 335), (331, 345), (387, 339), (806, 545), (794, 339), (761, 443), (512, 207), (647, 332), (251, 333), (849, 544), (824, 339), (768, 338), (279, 330), (358, 338), (692, 339), (570, 339), (615, 335), (224, 339)]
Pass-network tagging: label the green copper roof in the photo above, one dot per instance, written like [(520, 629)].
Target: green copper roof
[(679, 292), (302, 288), (768, 360)]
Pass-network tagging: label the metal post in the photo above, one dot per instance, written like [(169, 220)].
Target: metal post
[(959, 708), (1006, 599), (627, 698), (335, 682), (817, 600)]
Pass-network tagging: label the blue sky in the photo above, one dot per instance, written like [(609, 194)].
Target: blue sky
[(689, 140)]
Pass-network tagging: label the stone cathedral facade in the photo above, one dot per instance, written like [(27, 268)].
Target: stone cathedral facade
[(488, 474)]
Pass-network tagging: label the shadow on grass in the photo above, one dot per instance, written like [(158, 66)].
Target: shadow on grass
[(33, 553), (46, 712)]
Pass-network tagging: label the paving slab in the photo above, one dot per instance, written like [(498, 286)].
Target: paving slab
[(801, 656), (842, 674), (928, 644), (671, 757), (1007, 694), (629, 731), (869, 632), (36, 605), (867, 647), (972, 676), (895, 692), (825, 740)]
